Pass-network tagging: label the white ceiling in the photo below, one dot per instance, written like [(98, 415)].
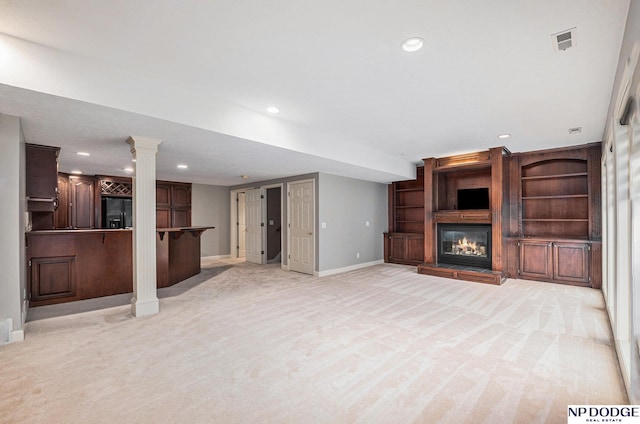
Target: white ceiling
[(348, 94)]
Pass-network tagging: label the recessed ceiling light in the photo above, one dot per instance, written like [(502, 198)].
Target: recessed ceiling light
[(412, 44), (83, 153), (244, 177), (182, 166), (504, 136), (128, 169), (273, 109), (133, 160), (76, 172)]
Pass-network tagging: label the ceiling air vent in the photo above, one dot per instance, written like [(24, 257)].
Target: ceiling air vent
[(575, 130), (564, 40)]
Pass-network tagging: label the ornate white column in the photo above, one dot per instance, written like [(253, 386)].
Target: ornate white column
[(145, 299)]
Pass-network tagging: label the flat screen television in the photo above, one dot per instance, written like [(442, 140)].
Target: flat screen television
[(473, 198)]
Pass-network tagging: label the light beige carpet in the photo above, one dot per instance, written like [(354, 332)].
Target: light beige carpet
[(255, 344)]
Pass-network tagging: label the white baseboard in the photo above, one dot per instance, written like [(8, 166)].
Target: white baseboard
[(143, 308), (347, 268), (216, 257), (8, 334), (16, 336)]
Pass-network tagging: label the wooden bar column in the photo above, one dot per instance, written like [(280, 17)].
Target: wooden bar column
[(145, 300)]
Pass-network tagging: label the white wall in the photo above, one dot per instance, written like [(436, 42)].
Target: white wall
[(210, 207), (12, 278), (621, 210), (345, 205)]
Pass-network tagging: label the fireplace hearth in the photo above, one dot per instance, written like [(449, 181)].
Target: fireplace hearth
[(465, 244)]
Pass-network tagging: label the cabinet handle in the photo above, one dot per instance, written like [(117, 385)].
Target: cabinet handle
[(41, 199)]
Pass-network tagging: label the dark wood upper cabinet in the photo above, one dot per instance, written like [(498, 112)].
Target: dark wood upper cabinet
[(180, 196), (163, 218), (173, 200), (61, 216), (82, 201), (163, 195), (41, 177)]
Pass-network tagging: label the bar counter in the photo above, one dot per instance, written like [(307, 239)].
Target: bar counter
[(69, 265)]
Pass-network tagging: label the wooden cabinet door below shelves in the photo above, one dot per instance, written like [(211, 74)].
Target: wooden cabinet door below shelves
[(397, 247), (405, 248), (571, 262), (414, 248), (535, 259)]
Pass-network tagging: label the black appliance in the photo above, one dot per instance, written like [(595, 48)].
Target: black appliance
[(117, 212)]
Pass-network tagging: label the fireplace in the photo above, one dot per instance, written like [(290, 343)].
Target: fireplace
[(465, 244)]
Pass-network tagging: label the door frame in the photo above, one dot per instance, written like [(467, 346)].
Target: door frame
[(234, 213)]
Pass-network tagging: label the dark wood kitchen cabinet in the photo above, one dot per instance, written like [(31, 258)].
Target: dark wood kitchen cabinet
[(82, 201), (76, 202), (180, 205), (41, 177), (163, 196), (52, 278), (61, 216), (173, 204)]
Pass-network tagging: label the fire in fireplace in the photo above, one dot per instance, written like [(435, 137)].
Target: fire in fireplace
[(465, 244)]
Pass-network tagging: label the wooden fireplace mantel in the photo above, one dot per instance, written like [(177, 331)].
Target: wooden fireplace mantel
[(544, 210), (443, 177)]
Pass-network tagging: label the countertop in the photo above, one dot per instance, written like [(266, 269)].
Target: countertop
[(111, 230)]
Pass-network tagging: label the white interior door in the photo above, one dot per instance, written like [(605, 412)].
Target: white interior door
[(254, 223), (301, 227), (242, 226)]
